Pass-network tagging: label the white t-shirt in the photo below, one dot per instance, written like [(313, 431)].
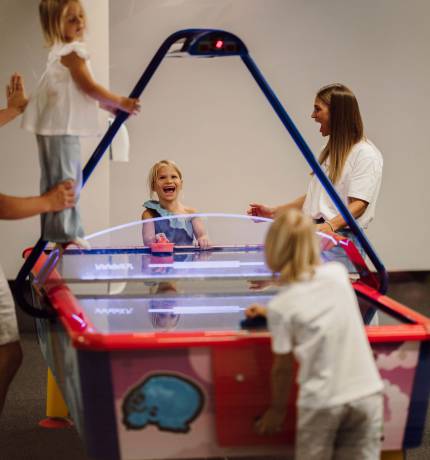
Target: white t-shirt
[(319, 321), (361, 178), (58, 106)]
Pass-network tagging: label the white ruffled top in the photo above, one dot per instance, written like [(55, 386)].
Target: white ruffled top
[(58, 106)]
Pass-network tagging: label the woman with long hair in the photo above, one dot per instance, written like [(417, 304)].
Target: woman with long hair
[(350, 160)]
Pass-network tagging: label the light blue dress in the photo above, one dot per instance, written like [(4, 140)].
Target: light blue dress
[(178, 230)]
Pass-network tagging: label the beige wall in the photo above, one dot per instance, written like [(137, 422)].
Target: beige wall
[(22, 49), (209, 116)]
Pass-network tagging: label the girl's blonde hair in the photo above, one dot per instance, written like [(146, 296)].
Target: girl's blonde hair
[(291, 246), (346, 127), (51, 13), (153, 173)]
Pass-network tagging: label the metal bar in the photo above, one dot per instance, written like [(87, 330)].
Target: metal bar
[(316, 168)]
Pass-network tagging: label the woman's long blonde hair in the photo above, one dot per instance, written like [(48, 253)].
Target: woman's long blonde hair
[(346, 127), (153, 174), (51, 13), (291, 246)]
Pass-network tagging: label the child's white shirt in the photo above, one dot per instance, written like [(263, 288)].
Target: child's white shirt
[(58, 106), (361, 178), (319, 321)]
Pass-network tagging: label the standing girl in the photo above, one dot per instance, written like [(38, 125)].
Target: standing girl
[(64, 107), (165, 180), (350, 160), (13, 207), (316, 320)]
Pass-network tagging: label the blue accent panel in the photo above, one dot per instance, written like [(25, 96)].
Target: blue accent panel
[(316, 168), (98, 399), (419, 400)]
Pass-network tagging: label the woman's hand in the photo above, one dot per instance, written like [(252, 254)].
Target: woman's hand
[(324, 227), (260, 210)]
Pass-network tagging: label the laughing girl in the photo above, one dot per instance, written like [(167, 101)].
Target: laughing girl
[(165, 181)]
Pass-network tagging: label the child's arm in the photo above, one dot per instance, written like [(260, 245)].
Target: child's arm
[(83, 78), (148, 229), (199, 230), (60, 197), (281, 384), (16, 99)]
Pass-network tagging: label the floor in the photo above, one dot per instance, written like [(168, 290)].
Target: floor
[(22, 438)]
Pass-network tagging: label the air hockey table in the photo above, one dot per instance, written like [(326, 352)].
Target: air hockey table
[(154, 359)]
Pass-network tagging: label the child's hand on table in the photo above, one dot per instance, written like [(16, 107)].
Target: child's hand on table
[(203, 242), (255, 310), (161, 238)]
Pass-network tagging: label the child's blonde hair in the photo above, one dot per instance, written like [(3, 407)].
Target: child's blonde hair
[(291, 246), (153, 173), (51, 13)]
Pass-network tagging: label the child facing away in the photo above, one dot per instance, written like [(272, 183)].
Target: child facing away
[(63, 108), (165, 180), (315, 319)]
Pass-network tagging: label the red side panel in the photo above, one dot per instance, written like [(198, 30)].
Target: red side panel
[(241, 376)]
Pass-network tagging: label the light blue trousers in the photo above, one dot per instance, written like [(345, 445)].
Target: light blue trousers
[(60, 159)]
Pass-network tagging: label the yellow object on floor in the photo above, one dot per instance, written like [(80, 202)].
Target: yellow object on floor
[(55, 404)]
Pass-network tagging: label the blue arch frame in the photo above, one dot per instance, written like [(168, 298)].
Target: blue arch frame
[(207, 43)]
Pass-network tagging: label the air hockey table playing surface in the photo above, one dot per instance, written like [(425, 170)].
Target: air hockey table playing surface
[(153, 359)]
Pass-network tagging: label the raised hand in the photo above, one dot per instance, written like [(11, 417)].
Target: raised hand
[(15, 93)]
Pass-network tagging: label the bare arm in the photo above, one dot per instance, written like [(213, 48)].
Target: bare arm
[(200, 233), (16, 99), (59, 197), (356, 208), (8, 114), (148, 229), (83, 78), (281, 384), (261, 210)]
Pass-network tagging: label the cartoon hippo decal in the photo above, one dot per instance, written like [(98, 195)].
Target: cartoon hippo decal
[(168, 401)]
